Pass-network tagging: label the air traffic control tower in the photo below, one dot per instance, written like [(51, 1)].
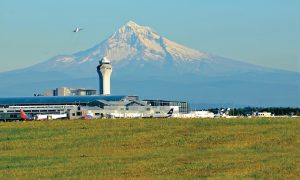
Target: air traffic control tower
[(104, 70)]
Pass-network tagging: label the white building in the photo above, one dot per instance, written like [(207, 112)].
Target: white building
[(104, 70), (264, 114), (65, 91)]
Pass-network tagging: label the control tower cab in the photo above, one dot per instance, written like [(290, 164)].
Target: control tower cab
[(104, 70)]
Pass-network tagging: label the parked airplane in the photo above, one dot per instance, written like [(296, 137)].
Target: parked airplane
[(169, 114), (49, 116), (25, 116)]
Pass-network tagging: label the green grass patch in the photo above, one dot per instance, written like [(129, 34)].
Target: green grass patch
[(264, 148)]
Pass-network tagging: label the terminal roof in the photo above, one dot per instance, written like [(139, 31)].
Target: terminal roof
[(51, 100)]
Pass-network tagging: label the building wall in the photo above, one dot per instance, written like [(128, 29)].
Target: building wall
[(13, 112), (106, 70), (64, 91), (183, 106), (264, 114), (50, 92)]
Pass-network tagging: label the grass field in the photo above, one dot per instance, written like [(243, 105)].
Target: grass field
[(151, 149)]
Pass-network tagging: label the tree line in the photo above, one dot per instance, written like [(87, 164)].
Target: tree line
[(277, 111)]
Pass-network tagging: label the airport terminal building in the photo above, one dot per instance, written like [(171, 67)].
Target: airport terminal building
[(75, 105)]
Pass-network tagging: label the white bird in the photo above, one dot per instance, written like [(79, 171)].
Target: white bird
[(77, 30)]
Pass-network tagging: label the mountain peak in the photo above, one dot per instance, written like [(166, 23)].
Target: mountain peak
[(141, 42), (132, 24), (132, 27)]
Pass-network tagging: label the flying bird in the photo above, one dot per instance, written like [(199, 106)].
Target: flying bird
[(77, 30)]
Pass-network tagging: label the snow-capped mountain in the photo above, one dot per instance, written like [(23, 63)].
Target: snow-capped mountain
[(136, 42), (152, 66), (141, 48)]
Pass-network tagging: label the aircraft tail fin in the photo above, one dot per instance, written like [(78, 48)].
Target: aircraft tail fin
[(86, 116), (25, 116), (171, 111)]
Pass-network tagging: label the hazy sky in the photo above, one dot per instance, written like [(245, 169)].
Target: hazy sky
[(264, 32)]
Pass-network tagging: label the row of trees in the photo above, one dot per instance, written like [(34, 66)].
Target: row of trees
[(278, 111)]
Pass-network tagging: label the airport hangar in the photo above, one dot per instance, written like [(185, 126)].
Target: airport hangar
[(101, 106)]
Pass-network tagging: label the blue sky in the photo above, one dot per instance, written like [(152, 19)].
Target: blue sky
[(260, 32)]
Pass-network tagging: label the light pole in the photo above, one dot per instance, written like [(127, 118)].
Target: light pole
[(4, 111)]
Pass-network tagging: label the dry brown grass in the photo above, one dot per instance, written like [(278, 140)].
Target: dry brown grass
[(151, 148)]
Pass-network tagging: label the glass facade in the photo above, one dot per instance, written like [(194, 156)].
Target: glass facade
[(9, 116), (183, 106)]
